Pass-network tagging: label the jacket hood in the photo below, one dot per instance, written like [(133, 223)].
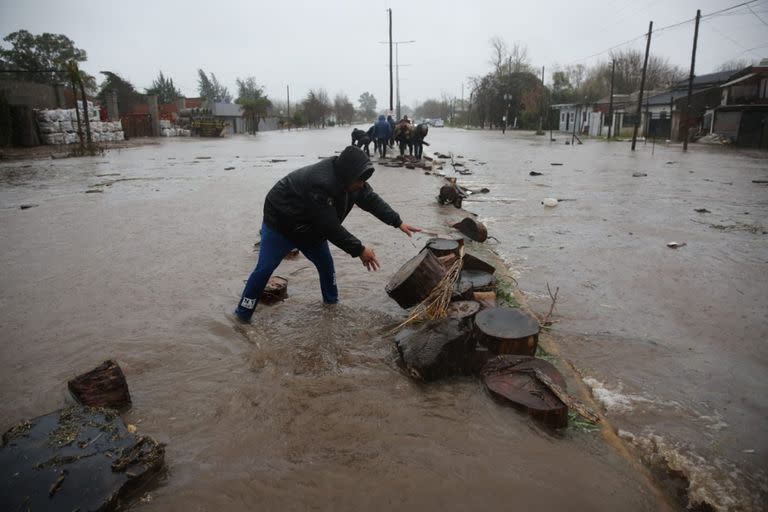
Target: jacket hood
[(352, 164), (382, 118)]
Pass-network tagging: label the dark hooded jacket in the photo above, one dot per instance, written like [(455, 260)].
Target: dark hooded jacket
[(309, 204)]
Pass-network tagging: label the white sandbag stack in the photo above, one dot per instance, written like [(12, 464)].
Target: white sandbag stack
[(168, 130), (59, 126)]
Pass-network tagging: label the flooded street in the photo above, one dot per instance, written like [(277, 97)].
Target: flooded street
[(307, 409)]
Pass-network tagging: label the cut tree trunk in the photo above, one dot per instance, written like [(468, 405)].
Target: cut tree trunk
[(471, 262), (104, 386), (448, 260), (415, 280), (473, 229), (486, 299), (444, 246), (276, 290), (478, 281), (78, 458), (464, 311), (512, 380), (507, 331), (439, 348)]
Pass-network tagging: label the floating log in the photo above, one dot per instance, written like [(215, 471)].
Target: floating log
[(276, 290), (473, 229), (479, 281), (471, 262), (512, 380), (104, 386), (464, 311), (444, 246), (415, 279), (78, 458), (440, 348), (507, 331), (449, 194), (485, 299)]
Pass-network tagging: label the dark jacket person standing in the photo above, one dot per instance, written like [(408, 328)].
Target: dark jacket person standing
[(305, 210), (383, 133)]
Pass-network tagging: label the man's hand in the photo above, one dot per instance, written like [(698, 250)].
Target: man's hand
[(408, 229), (368, 257)]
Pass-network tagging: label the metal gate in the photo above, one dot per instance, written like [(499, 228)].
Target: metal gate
[(136, 125)]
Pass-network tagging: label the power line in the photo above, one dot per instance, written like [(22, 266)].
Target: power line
[(756, 16)]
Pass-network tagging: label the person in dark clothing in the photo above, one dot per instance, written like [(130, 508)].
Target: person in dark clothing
[(391, 122), (418, 134), (363, 139), (383, 133), (403, 137), (305, 210)]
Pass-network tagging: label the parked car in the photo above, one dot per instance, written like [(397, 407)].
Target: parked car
[(438, 123)]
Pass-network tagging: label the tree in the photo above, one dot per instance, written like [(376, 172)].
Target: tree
[(127, 96), (432, 109), (506, 59), (343, 108), (316, 107), (736, 64), (498, 54), (211, 89), (367, 105), (255, 103), (44, 57), (164, 89)]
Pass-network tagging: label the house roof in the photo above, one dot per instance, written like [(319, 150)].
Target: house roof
[(617, 98), (740, 79), (707, 80)]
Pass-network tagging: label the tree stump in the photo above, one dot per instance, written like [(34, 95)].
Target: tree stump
[(512, 380), (479, 281), (276, 290), (439, 348), (471, 262), (448, 260), (415, 279), (472, 229), (450, 194), (507, 331), (104, 386), (464, 311), (444, 246), (462, 290), (486, 299), (77, 458)]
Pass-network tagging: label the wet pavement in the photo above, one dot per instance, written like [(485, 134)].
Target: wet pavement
[(306, 408)]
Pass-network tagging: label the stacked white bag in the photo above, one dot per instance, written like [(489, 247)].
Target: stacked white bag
[(59, 126), (168, 130)]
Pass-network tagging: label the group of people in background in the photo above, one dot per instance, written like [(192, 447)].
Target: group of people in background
[(386, 132)]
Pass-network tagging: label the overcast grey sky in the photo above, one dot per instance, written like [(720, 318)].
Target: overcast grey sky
[(335, 43)]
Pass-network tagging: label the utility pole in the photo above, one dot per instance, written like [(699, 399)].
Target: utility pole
[(610, 102), (288, 97), (397, 71), (690, 82), (642, 86), (390, 60), (540, 131)]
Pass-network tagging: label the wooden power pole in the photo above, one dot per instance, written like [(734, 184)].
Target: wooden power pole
[(690, 83), (642, 86), (610, 102), (391, 106)]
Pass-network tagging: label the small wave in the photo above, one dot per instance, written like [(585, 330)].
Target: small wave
[(616, 400)]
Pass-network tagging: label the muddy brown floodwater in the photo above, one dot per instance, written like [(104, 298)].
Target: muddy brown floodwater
[(306, 408)]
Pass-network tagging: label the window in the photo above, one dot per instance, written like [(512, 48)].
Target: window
[(763, 88), (562, 117)]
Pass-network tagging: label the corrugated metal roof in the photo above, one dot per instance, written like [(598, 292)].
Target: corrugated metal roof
[(740, 79)]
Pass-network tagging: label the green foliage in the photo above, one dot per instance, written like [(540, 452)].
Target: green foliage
[(433, 109), (127, 96), (255, 103), (43, 56), (164, 88), (505, 294), (316, 107), (211, 89), (578, 422), (344, 109), (367, 105)]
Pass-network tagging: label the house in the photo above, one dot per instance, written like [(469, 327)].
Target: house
[(742, 115), (231, 114), (603, 110), (571, 114)]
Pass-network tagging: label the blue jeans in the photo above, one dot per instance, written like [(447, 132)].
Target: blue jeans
[(274, 247)]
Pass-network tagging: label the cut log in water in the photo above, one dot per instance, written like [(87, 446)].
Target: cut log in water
[(471, 262), (464, 311), (78, 458), (444, 246), (472, 229), (439, 348), (415, 279), (449, 194), (479, 281), (507, 331), (512, 380), (448, 260), (276, 290), (485, 299), (104, 386)]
